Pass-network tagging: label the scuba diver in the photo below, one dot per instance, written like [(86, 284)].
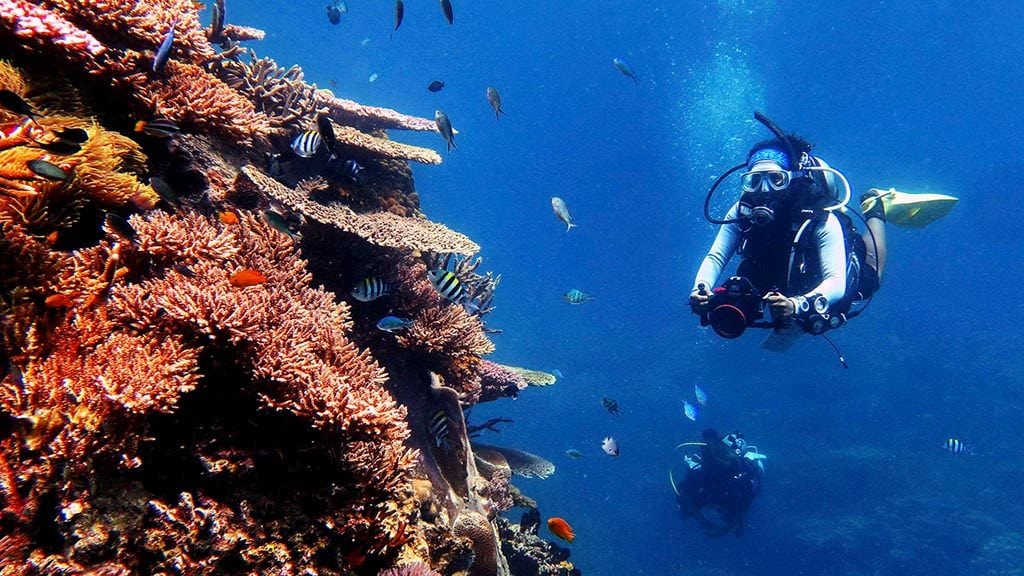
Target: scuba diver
[(801, 254), (726, 476)]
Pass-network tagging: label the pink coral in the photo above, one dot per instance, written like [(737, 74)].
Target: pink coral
[(414, 569), (497, 381)]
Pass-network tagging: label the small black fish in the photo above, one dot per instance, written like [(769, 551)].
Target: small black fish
[(158, 127), (277, 222), (399, 15), (446, 7), (184, 270), (435, 86), (610, 405), (75, 135), (352, 170), (273, 164), (164, 190), (163, 54), (61, 147), (335, 10), (326, 131), (16, 104), (47, 170), (120, 226), (444, 126), (495, 99)]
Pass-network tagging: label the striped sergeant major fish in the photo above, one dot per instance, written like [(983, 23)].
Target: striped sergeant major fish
[(307, 143), (575, 296), (439, 427), (370, 289), (447, 285), (956, 446)]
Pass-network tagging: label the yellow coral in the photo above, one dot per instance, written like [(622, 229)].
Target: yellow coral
[(11, 79)]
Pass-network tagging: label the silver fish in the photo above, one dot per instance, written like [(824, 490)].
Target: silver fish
[(610, 446), (495, 99), (562, 211), (573, 453), (701, 395), (691, 411), (307, 143), (370, 289), (163, 54), (444, 126), (625, 69)]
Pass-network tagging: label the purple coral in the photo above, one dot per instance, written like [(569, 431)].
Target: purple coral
[(414, 569)]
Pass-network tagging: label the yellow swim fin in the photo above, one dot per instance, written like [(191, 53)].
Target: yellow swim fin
[(909, 210)]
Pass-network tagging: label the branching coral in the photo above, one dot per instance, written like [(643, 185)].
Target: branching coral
[(281, 94), (127, 366), (497, 381)]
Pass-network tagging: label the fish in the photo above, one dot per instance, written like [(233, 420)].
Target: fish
[(444, 126), (370, 289), (307, 143), (335, 10), (610, 405), (158, 127), (326, 132), (439, 427), (435, 86), (272, 162), (164, 190), (956, 446), (60, 147), (373, 77), (561, 528), (447, 285), (247, 277), (625, 69), (392, 323), (610, 446), (47, 170), (690, 410), (573, 453), (75, 135), (701, 395), (399, 16), (277, 222), (364, 42), (16, 104), (58, 301), (352, 170), (446, 8), (217, 20), (228, 217), (163, 54), (495, 99), (575, 296), (562, 212), (119, 226)]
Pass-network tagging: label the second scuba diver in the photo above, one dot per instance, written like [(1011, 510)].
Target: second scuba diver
[(801, 255), (726, 477)]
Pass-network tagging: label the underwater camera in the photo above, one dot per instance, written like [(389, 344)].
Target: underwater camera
[(734, 306)]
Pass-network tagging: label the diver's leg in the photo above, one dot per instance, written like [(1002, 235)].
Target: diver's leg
[(873, 209), (875, 242)]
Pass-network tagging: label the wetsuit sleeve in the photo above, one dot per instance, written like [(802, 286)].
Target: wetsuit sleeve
[(832, 253), (726, 243)]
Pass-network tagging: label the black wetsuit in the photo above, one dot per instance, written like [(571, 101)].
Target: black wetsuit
[(724, 480)]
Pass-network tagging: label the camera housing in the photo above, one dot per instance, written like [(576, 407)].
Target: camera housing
[(733, 307)]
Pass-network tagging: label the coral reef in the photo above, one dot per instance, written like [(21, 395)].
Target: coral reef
[(178, 396)]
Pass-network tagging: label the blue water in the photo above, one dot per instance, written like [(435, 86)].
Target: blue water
[(926, 99)]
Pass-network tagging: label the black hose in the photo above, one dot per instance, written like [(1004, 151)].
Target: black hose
[(711, 192)]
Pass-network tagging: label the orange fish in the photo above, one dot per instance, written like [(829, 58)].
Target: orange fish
[(561, 529), (247, 277), (228, 217), (52, 238), (58, 301)]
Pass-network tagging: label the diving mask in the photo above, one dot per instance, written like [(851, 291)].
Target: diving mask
[(765, 180)]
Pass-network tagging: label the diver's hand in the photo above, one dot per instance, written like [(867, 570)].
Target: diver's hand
[(782, 308), (699, 301)]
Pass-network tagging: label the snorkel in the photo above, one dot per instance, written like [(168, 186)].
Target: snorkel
[(804, 167)]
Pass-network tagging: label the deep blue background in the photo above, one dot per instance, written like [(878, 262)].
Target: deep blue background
[(920, 96)]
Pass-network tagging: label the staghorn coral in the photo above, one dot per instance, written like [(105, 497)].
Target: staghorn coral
[(280, 94), (381, 229), (497, 381), (165, 341)]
